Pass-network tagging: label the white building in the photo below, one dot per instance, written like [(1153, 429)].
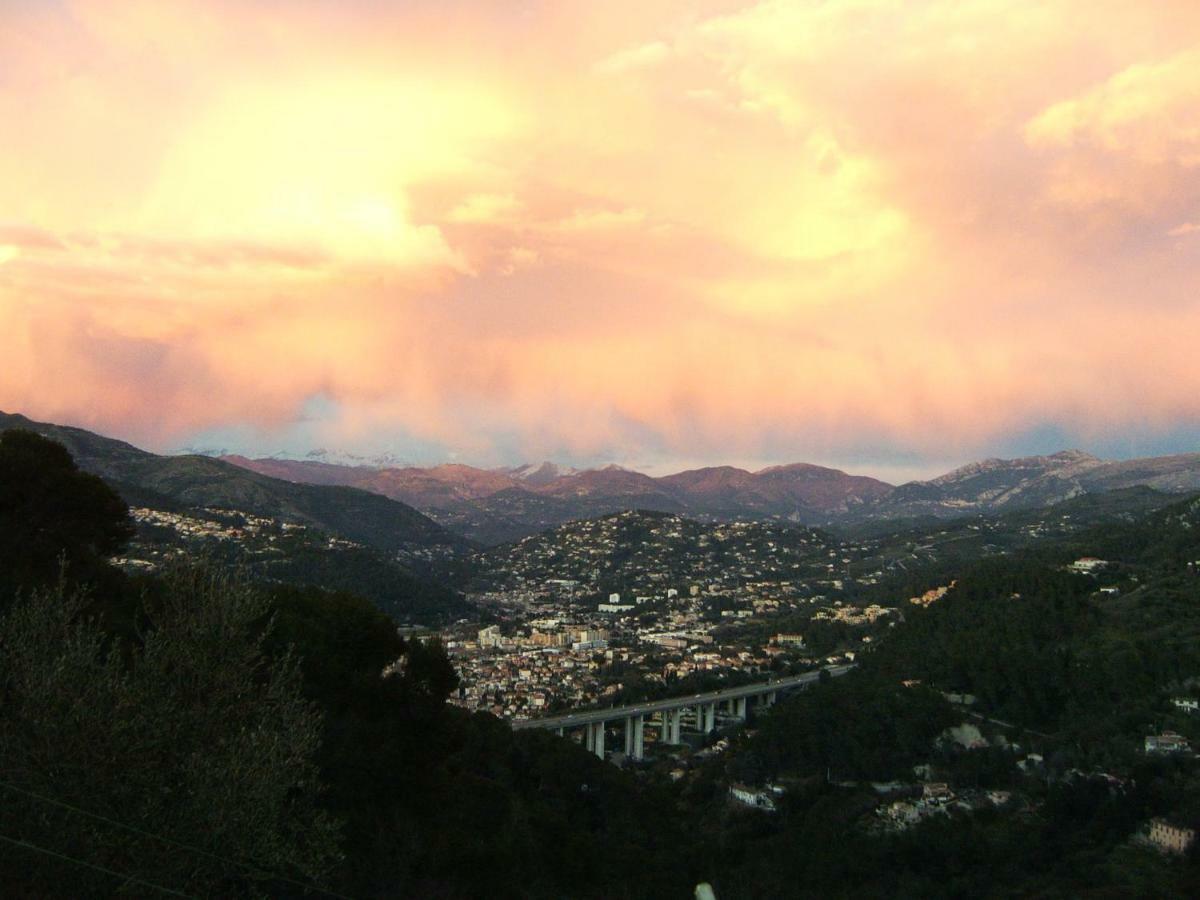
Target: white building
[(752, 797), (796, 640), (1170, 838), (614, 607), (1167, 742), (598, 644)]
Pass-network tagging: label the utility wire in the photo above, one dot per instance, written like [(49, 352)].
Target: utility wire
[(174, 843), (128, 879)]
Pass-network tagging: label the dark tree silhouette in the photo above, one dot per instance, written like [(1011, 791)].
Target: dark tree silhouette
[(53, 514)]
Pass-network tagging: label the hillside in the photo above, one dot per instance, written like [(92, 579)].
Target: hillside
[(180, 482), (410, 508), (641, 551), (1040, 777), (999, 485), (495, 506)]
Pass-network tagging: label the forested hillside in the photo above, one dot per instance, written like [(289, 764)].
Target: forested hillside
[(198, 733), (1063, 674), (203, 732)]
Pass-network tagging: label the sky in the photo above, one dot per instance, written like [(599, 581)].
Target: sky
[(886, 235)]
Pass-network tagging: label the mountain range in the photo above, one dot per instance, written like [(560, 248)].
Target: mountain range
[(496, 505), (407, 509), (181, 482)]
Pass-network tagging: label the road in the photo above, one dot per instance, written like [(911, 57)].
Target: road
[(585, 717)]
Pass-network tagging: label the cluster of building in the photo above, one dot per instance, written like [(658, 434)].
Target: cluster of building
[(163, 535), (933, 798), (853, 615), (580, 612), (520, 671), (216, 524), (544, 634), (931, 596), (628, 558), (544, 652)]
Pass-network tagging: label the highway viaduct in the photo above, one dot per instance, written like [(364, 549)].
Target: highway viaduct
[(700, 708)]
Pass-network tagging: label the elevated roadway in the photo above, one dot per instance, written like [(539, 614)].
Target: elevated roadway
[(670, 712)]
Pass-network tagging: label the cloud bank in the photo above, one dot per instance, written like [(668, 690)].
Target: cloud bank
[(696, 231)]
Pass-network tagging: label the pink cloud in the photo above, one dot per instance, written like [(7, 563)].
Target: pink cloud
[(813, 226)]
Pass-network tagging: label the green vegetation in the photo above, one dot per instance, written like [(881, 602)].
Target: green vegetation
[(187, 736), (1076, 675), (219, 734), (180, 482), (53, 515), (864, 728), (198, 733)]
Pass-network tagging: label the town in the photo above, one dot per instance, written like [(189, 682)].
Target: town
[(638, 604)]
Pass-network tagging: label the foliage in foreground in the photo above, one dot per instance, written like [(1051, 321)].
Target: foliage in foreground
[(194, 752)]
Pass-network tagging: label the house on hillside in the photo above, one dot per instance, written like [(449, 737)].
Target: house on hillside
[(755, 798), (1167, 742), (1170, 838), (936, 792)]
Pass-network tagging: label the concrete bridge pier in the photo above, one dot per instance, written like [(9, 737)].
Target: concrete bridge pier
[(701, 709), (635, 747), (595, 738), (677, 727)]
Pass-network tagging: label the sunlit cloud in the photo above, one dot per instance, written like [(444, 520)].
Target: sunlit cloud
[(642, 56), (700, 231), (485, 209)]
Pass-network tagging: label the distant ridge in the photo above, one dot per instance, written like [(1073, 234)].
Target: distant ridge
[(407, 507), (497, 505), (537, 475), (999, 485), (146, 479)]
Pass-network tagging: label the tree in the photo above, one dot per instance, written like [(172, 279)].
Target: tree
[(52, 513), (197, 751)]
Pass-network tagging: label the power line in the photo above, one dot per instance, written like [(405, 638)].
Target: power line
[(172, 842), (128, 879)]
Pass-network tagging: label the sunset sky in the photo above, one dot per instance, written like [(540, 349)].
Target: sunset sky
[(885, 235)]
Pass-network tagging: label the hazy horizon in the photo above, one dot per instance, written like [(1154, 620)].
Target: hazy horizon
[(891, 473)]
